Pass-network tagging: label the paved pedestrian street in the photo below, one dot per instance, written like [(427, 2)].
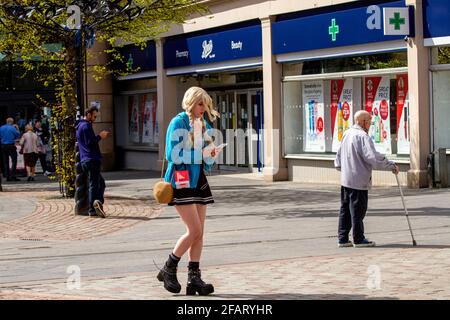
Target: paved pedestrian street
[(262, 241)]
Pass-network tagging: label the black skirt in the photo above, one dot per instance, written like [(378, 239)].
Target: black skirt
[(199, 195)]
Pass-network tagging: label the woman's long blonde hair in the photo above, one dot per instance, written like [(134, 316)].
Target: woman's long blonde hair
[(191, 98), (194, 95)]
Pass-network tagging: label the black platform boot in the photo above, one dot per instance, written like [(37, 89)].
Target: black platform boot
[(168, 275), (196, 284)]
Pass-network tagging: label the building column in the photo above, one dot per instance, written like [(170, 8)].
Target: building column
[(419, 99), (166, 97), (100, 93), (275, 167)]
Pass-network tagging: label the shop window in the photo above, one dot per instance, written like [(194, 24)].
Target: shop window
[(440, 55), (140, 129), (441, 109), (317, 113), (346, 64)]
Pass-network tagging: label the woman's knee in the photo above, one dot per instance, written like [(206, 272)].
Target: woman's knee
[(195, 234)]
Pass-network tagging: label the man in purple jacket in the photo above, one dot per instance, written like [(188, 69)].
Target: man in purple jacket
[(90, 158)]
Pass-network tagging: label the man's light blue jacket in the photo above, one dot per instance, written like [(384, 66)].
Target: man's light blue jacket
[(180, 156)]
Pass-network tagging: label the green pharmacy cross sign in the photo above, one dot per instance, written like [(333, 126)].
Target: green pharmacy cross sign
[(397, 21), (333, 30)]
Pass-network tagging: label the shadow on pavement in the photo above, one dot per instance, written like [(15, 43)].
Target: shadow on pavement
[(298, 296), (410, 246), (130, 175), (323, 213)]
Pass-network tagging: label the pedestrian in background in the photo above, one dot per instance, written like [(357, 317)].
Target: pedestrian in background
[(192, 193), (9, 134), (43, 140), (90, 158), (29, 144), (355, 159)]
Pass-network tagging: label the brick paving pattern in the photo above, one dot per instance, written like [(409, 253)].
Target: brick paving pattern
[(54, 218)]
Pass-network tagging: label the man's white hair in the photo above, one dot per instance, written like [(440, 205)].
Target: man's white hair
[(360, 116)]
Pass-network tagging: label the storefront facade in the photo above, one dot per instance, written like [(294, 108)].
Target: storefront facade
[(135, 110), (342, 62), (226, 61), (437, 39), (295, 73)]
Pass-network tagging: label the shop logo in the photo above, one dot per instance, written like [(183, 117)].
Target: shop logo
[(207, 49), (397, 21), (333, 30)]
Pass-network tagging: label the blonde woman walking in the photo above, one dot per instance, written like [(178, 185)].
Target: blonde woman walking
[(190, 151), (29, 143)]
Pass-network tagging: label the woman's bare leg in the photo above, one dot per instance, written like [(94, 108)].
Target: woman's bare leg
[(195, 251), (190, 217)]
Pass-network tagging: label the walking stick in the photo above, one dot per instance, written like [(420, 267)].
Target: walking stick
[(406, 211)]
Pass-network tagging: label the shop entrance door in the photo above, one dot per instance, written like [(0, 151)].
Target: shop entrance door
[(241, 111)]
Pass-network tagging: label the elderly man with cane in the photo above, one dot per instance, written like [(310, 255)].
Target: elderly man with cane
[(355, 159)]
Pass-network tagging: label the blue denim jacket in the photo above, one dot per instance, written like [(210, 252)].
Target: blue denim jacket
[(176, 155)]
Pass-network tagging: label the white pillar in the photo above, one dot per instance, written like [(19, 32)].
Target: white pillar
[(275, 167), (419, 99), (167, 98)]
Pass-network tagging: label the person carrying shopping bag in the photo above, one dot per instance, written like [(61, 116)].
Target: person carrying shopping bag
[(190, 152)]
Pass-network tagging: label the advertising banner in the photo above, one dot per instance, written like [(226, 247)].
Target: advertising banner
[(377, 101), (341, 109), (134, 117), (147, 125), (149, 119), (402, 114), (314, 116)]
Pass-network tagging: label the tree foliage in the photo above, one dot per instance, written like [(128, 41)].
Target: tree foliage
[(36, 33)]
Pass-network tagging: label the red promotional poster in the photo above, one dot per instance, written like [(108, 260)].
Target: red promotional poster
[(370, 91), (403, 134), (402, 91), (336, 91)]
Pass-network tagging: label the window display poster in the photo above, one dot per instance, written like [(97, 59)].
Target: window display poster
[(314, 116), (155, 120), (341, 109), (147, 132), (133, 114), (150, 130), (377, 101), (402, 114)]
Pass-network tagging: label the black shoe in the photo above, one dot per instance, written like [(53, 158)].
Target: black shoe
[(29, 179), (168, 275), (15, 179), (32, 178), (196, 284)]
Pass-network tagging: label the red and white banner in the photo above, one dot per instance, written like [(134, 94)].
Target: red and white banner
[(402, 114), (341, 109), (377, 101)]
